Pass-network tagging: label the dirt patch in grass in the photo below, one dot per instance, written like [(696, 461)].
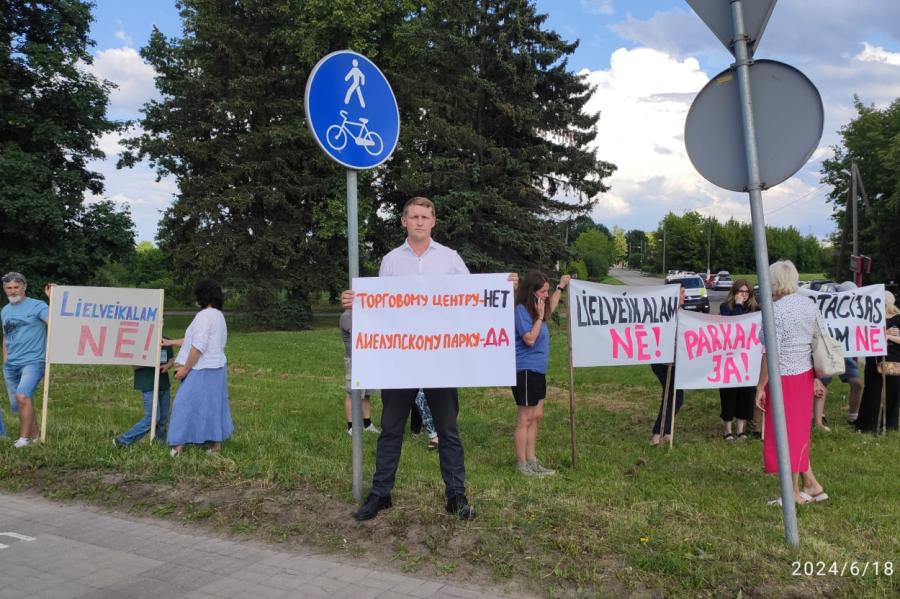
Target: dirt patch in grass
[(407, 539)]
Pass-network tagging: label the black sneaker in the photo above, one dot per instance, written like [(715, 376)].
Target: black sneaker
[(372, 506), (461, 507)]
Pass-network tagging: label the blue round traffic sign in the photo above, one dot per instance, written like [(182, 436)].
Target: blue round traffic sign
[(351, 110)]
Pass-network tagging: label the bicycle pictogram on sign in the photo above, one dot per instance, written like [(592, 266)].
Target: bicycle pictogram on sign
[(336, 135)]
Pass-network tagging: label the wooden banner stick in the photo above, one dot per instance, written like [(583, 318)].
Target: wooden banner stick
[(157, 340), (46, 398), (883, 406), (671, 409), (571, 382)]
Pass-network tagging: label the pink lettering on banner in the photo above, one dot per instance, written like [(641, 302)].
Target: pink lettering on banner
[(127, 329), (622, 344), (634, 342), (640, 336), (718, 337), (726, 370), (87, 338), (869, 339), (495, 339), (149, 340)]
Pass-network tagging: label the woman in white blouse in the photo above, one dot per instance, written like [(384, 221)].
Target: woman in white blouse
[(796, 321), (200, 414)]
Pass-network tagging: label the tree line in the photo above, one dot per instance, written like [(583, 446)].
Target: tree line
[(687, 240)]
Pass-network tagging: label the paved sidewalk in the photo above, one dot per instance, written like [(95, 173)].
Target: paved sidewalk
[(56, 551)]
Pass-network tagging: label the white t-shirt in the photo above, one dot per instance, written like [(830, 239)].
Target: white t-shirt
[(208, 333)]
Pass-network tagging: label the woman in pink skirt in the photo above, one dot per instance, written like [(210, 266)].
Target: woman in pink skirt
[(796, 321)]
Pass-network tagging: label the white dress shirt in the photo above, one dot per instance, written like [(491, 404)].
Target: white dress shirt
[(436, 260)]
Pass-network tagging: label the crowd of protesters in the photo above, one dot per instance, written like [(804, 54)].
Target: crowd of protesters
[(200, 414)]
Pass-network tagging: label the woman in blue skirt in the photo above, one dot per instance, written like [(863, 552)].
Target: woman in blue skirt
[(200, 414)]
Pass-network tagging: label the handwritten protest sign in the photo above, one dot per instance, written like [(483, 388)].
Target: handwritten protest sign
[(613, 325), (718, 351), (855, 318), (436, 331), (105, 325)]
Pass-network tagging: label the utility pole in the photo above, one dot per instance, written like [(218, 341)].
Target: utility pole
[(856, 186), (708, 243)]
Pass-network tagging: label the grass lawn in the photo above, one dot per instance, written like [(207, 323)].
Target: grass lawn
[(631, 520)]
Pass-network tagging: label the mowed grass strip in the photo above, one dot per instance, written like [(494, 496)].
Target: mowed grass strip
[(630, 519)]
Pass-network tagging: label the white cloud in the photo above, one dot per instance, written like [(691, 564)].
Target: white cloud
[(134, 78), (121, 35), (878, 54), (643, 100), (138, 190), (599, 7), (834, 45)]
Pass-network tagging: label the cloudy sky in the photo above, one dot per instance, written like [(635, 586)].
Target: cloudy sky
[(647, 60)]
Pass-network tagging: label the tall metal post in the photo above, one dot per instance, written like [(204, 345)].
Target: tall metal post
[(776, 405), (857, 270), (708, 243), (353, 269)]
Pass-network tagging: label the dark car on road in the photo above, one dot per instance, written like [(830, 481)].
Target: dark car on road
[(695, 297)]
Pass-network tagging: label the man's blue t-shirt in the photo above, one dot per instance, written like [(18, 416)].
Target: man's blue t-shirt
[(25, 331), (536, 357)]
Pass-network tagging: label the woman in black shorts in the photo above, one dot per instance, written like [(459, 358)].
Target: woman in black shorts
[(534, 304)]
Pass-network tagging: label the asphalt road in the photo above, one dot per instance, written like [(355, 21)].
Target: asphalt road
[(636, 278)]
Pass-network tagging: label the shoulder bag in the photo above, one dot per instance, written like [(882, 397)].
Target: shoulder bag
[(827, 353), (889, 368)]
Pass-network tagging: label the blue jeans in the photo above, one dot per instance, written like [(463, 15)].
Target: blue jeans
[(143, 426), (425, 413), (22, 380)]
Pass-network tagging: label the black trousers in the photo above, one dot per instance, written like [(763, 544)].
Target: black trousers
[(397, 404), (665, 403), (737, 402), (870, 406)]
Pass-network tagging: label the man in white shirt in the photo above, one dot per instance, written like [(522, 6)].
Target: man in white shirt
[(419, 255)]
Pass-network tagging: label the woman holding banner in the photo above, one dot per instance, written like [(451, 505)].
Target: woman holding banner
[(869, 409), (737, 402), (534, 304), (200, 415), (796, 321)]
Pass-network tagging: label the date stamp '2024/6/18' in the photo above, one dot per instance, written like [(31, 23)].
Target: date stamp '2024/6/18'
[(844, 568)]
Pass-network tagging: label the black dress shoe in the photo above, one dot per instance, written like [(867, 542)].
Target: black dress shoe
[(372, 506), (459, 506)]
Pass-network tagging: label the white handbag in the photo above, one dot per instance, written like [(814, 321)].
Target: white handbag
[(827, 353)]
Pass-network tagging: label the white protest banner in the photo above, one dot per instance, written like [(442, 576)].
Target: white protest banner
[(614, 325), (855, 318), (718, 351), (435, 331), (105, 325)]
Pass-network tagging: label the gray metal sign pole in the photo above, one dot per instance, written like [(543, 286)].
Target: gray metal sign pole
[(353, 270), (742, 67)]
